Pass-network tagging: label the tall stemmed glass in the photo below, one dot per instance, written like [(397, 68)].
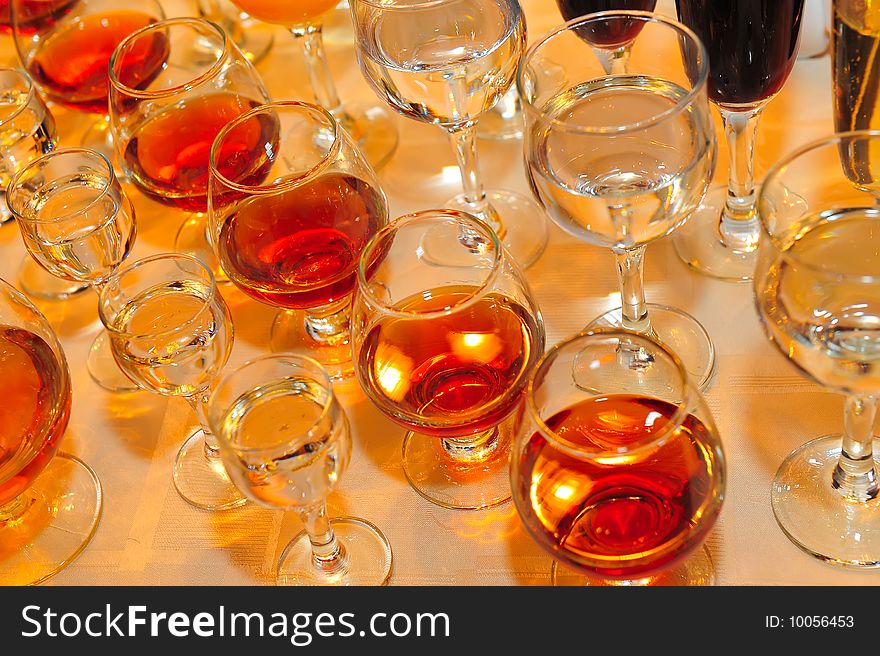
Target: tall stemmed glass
[(752, 49), (164, 130), (444, 348), (293, 201), (447, 62), (171, 333), (77, 222), (27, 131), (371, 126), (817, 288), (68, 58), (49, 504), (618, 473), (286, 442), (622, 160)]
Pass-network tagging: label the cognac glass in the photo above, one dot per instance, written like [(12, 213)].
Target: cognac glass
[(286, 442), (444, 347), (50, 502), (618, 474)]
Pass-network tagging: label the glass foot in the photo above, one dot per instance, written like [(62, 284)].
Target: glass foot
[(698, 243), (103, 368), (337, 26), (368, 553), (696, 569), (37, 282), (99, 137), (525, 227), (289, 334), (680, 332), (202, 481), (254, 40), (192, 239), (454, 484), (504, 121), (65, 506), (816, 517), (372, 127)]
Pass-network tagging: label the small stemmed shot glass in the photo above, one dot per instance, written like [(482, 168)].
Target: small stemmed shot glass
[(286, 443), (171, 333), (79, 225), (618, 474), (444, 348)]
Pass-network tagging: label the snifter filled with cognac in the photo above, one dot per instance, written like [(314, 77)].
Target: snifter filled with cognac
[(618, 474), (49, 502)]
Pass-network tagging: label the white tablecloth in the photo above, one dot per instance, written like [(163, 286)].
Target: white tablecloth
[(763, 407)]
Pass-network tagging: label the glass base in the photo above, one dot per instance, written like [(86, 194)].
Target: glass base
[(192, 239), (816, 517), (697, 569), (103, 367), (373, 128), (681, 332), (455, 484), (367, 549), (336, 26), (99, 137), (254, 41), (202, 481), (526, 228), (65, 507), (35, 281), (289, 334), (698, 243)]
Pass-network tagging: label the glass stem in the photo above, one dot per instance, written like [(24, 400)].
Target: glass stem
[(319, 71), (199, 404), (739, 221), (330, 324), (855, 475), (631, 275), (328, 554), (616, 61), (472, 448), (464, 142)]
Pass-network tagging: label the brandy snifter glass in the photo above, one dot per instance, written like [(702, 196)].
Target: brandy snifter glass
[(444, 347), (618, 474), (286, 443)]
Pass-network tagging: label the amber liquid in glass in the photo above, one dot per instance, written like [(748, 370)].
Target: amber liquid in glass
[(288, 13), (300, 248), (34, 408), (454, 375), (33, 15), (619, 515), (72, 64)]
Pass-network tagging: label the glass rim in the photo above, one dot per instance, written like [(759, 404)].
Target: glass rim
[(778, 169), (193, 82), (31, 91), (315, 368), (288, 182), (578, 451), (109, 180), (646, 16), (364, 287), (137, 264)]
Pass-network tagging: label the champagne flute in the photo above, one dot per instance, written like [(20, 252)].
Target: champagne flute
[(618, 473), (78, 224), (27, 131), (444, 349), (286, 442), (622, 160), (292, 202), (68, 57), (171, 333), (49, 504), (163, 130), (370, 126), (447, 62), (817, 290), (752, 47)]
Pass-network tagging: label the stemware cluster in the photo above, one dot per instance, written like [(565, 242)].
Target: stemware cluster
[(604, 443)]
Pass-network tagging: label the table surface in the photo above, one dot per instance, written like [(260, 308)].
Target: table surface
[(763, 407)]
